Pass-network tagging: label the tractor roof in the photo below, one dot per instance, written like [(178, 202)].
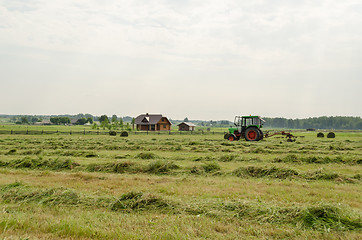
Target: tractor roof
[(254, 117)]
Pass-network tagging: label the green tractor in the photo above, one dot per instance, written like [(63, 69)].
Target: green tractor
[(248, 127)]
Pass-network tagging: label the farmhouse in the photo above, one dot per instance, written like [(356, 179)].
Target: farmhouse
[(186, 126), (152, 122)]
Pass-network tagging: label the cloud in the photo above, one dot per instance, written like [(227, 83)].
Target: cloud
[(278, 46)]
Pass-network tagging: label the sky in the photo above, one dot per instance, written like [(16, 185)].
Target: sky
[(206, 60)]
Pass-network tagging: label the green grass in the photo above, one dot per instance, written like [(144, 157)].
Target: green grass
[(180, 186)]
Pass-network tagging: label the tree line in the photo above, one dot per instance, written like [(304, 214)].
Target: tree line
[(341, 123)]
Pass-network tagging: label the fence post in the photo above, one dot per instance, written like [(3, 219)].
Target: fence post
[(98, 132), (11, 131), (42, 131), (147, 132), (70, 132), (27, 131), (169, 132), (84, 131)]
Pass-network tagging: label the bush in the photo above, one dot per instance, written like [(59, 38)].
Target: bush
[(112, 133), (124, 134), (331, 135), (321, 135)]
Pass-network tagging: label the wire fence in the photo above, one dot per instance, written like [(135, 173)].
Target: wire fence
[(97, 132)]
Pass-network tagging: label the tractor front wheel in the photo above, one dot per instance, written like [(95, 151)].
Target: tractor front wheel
[(231, 138), (226, 136), (252, 134)]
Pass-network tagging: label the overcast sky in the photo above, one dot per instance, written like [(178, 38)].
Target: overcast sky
[(196, 59)]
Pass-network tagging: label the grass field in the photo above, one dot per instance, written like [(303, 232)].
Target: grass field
[(180, 187)]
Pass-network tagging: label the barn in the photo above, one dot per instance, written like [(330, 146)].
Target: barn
[(186, 126), (152, 122)]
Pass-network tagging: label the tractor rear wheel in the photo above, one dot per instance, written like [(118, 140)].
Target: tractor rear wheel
[(231, 138), (252, 134)]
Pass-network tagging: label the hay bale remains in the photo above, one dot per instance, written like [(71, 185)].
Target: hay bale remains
[(331, 135), (321, 135), (124, 134)]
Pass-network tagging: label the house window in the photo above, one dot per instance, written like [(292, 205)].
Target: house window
[(164, 126)]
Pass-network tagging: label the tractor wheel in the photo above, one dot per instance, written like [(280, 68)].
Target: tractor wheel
[(261, 134), (231, 138), (252, 134), (227, 135)]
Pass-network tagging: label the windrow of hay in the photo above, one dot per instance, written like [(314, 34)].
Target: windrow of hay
[(319, 217), (169, 167), (39, 163), (293, 158)]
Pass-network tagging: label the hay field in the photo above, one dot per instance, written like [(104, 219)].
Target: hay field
[(180, 187)]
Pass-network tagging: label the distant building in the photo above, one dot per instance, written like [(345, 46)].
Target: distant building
[(152, 122), (186, 126), (44, 122)]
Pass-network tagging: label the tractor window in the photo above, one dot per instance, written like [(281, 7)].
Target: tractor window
[(249, 121), (252, 121)]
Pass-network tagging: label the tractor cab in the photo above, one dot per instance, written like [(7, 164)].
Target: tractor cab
[(248, 127)]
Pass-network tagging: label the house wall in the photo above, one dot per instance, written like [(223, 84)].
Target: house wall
[(143, 127), (163, 125), (184, 127)]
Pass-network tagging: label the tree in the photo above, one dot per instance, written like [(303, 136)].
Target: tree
[(133, 122), (121, 123), (186, 119), (24, 120), (90, 120), (81, 121), (60, 120), (114, 118), (104, 118)]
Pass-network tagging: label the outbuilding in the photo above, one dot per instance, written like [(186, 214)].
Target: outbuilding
[(186, 126)]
